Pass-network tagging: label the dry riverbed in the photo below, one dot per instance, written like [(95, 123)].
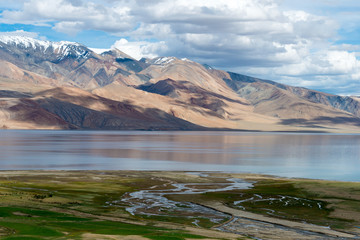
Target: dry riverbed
[(174, 205)]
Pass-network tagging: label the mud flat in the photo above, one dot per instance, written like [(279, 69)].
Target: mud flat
[(278, 228), (174, 205)]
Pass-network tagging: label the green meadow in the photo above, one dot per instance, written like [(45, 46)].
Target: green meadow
[(75, 205)]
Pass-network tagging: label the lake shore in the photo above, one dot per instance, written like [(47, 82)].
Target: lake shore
[(174, 205)]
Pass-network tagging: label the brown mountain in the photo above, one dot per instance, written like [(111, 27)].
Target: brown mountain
[(68, 86)]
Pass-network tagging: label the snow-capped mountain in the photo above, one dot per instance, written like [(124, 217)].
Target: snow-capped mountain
[(64, 62), (112, 90), (166, 60), (26, 42), (60, 50)]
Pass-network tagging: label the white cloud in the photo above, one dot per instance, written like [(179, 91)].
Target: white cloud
[(258, 37), (232, 33), (323, 63), (140, 49), (70, 28), (71, 16)]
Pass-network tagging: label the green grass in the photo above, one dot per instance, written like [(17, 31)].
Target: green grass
[(30, 205), (31, 229), (22, 238), (25, 202), (52, 224)]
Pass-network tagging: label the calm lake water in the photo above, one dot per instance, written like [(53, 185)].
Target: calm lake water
[(322, 156)]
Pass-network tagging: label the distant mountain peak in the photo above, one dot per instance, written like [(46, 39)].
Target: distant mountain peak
[(63, 48), (28, 42), (207, 66), (23, 41), (163, 60), (116, 53)]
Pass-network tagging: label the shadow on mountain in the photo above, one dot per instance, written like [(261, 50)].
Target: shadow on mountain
[(322, 120), (69, 108), (196, 95), (168, 87), (339, 120), (29, 111), (13, 94)]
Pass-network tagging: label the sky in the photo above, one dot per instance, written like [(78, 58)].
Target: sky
[(308, 43)]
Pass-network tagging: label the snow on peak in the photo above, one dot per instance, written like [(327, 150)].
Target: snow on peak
[(62, 48), (28, 42), (164, 60), (22, 41), (186, 60)]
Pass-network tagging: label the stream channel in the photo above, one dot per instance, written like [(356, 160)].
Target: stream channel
[(153, 201)]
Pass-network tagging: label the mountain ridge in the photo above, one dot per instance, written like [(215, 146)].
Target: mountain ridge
[(166, 93)]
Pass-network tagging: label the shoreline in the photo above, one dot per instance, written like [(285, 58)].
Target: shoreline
[(348, 132), (243, 175)]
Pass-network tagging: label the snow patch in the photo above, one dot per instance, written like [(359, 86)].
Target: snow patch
[(63, 48), (164, 60), (167, 60), (186, 60)]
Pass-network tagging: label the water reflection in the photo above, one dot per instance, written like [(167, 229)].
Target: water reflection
[(328, 156)]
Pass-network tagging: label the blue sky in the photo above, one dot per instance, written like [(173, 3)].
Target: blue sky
[(313, 44)]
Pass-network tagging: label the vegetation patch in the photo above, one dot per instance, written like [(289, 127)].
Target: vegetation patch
[(68, 205), (64, 205)]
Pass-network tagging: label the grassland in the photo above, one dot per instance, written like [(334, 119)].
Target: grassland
[(87, 204)]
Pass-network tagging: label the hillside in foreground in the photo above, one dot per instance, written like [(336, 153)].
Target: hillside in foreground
[(64, 85)]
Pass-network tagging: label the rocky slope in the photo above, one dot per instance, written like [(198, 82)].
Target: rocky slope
[(68, 86)]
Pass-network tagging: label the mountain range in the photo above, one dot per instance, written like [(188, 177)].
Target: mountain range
[(64, 85)]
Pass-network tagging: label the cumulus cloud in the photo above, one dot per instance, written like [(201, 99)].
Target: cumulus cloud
[(140, 49), (232, 33), (333, 71), (258, 37), (71, 16)]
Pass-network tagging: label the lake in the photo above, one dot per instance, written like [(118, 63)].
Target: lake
[(320, 156)]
